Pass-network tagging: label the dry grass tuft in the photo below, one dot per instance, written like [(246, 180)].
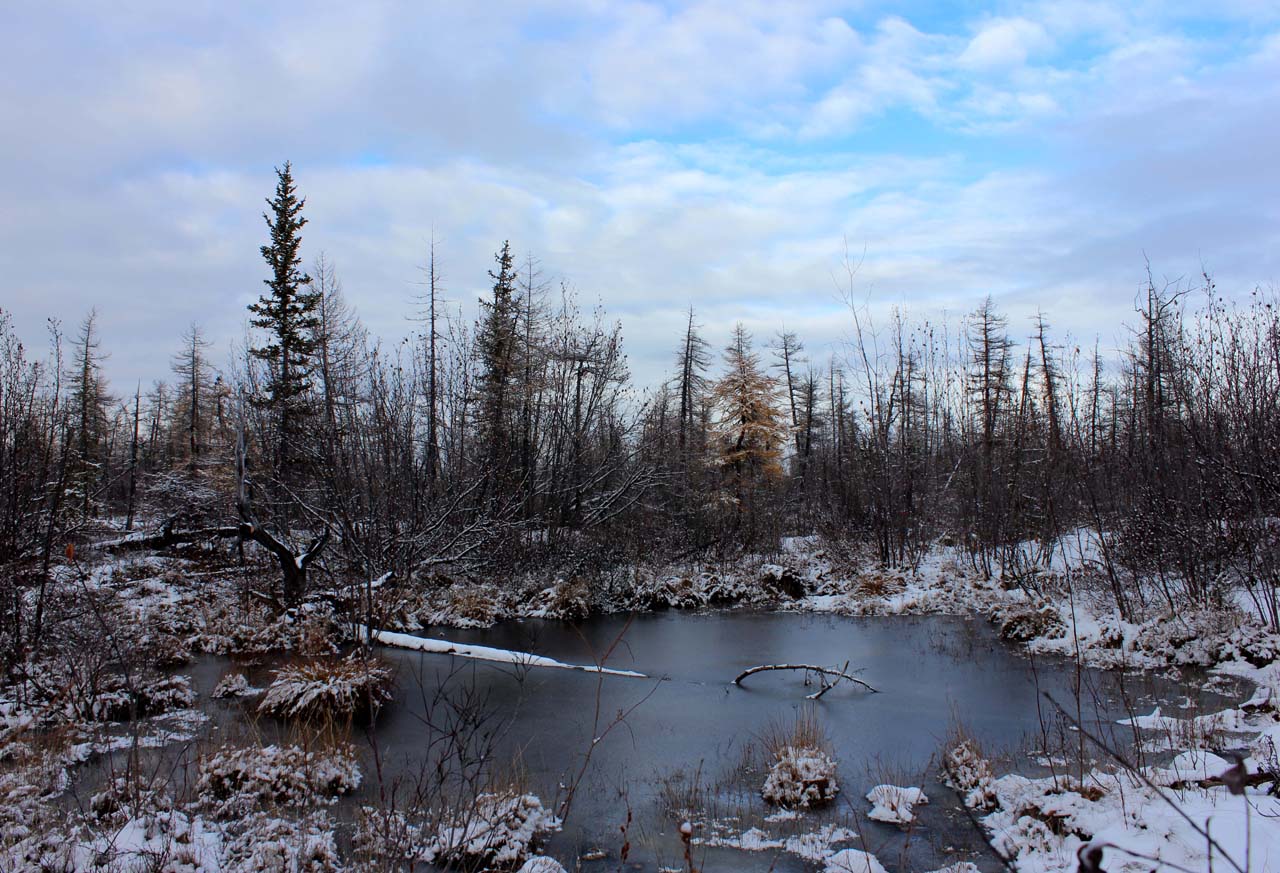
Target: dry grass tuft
[(329, 689)]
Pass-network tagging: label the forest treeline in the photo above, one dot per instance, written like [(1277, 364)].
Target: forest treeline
[(520, 440)]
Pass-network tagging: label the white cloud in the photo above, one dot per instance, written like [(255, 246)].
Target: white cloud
[(1004, 42), (139, 144)]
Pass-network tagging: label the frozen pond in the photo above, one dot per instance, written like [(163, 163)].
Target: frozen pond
[(932, 671)]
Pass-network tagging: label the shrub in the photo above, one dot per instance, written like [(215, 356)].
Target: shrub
[(327, 689), (1021, 624), (498, 830), (803, 773), (237, 781), (966, 770), (234, 685)]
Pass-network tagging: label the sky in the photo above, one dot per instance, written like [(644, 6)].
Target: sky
[(651, 156)]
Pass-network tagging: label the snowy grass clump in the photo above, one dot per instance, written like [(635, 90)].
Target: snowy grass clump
[(236, 781), (894, 804), (116, 699), (234, 685), (966, 770), (498, 830), (328, 689), (801, 776), (271, 843), (802, 772)]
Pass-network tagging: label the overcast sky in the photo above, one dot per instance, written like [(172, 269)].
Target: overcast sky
[(651, 155)]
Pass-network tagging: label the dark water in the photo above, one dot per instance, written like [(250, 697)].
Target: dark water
[(931, 672)]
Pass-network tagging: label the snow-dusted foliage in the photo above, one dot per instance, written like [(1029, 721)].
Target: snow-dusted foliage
[(499, 829), (894, 804), (1021, 622), (116, 698), (235, 781), (966, 770), (328, 688), (567, 599), (270, 843), (802, 776), (496, 830), (234, 685)]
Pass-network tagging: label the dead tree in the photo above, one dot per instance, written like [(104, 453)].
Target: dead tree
[(293, 566), (821, 671)]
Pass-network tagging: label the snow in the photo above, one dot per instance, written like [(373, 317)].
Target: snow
[(811, 845), (853, 861), (485, 653), (801, 776), (894, 805)]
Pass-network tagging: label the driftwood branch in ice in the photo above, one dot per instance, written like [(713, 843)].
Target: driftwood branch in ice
[(821, 671)]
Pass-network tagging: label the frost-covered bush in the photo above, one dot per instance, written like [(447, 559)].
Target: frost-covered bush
[(1206, 637), (672, 592), (802, 776), (782, 581), (235, 781), (1021, 623), (29, 780), (234, 685), (685, 591), (329, 688), (127, 798), (270, 843), (894, 804), (498, 830), (569, 599), (114, 700), (966, 770), (228, 628), (474, 606)]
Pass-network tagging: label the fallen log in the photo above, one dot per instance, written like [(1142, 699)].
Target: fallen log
[(484, 653), (164, 538), (1249, 780), (822, 671)]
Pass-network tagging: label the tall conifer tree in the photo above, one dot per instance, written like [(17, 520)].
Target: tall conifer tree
[(288, 312)]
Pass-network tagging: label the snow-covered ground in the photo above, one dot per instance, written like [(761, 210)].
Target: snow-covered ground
[(1153, 817)]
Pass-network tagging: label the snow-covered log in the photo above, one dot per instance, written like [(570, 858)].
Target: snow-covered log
[(485, 653), (164, 538), (822, 671)]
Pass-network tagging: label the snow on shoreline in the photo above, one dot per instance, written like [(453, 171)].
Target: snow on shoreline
[(485, 653)]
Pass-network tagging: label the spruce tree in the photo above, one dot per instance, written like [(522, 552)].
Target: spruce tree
[(288, 312), (496, 347)]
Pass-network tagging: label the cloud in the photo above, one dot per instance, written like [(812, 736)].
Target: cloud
[(653, 157), (1004, 42)]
